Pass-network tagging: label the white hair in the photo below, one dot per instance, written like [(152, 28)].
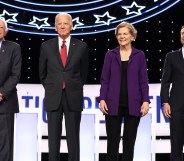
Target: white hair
[(64, 13), (5, 24)]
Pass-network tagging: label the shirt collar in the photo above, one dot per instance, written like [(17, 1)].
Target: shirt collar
[(60, 42), (182, 51), (67, 41), (1, 43)]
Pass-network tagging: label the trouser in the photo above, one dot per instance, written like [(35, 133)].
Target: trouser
[(177, 137), (72, 125), (113, 129), (6, 136)]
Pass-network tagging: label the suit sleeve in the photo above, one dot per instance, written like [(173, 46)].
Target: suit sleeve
[(42, 65), (144, 79), (84, 63), (166, 80), (105, 77), (10, 84)]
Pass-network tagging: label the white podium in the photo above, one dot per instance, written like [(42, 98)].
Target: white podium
[(143, 144), (27, 136), (89, 135)]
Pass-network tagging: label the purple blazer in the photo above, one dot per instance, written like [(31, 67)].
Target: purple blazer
[(138, 90)]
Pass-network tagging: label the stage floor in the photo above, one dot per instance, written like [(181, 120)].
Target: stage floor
[(159, 157)]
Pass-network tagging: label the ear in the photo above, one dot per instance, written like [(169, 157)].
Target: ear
[(6, 32), (133, 38), (71, 28)]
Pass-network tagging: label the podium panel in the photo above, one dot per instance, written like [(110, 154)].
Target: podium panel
[(89, 135), (26, 138), (27, 135), (143, 142)]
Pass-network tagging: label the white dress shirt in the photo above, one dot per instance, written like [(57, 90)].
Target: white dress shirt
[(67, 43), (0, 44)]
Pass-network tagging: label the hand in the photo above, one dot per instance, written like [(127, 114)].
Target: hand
[(144, 108), (1, 97), (103, 107), (167, 110)]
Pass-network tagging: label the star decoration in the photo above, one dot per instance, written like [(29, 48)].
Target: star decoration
[(76, 23), (39, 23), (136, 9), (8, 16), (105, 18)]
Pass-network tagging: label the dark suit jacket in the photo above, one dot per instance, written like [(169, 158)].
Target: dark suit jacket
[(10, 68), (52, 73), (173, 73)]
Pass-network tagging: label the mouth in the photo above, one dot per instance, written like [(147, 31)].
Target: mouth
[(122, 40)]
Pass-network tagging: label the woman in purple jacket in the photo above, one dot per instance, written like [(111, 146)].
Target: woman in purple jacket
[(124, 92)]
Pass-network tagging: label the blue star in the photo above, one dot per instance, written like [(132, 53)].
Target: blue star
[(6, 14), (104, 16), (40, 22), (77, 23), (137, 9)]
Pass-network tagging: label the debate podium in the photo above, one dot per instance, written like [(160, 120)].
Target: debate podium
[(28, 135)]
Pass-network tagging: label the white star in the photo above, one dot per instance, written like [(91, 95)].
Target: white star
[(108, 17), (12, 15), (77, 23), (39, 26), (134, 4)]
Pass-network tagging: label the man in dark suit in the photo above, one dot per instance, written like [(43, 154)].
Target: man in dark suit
[(10, 68), (173, 100), (63, 83)]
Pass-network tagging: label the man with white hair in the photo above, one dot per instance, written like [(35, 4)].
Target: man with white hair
[(63, 68), (10, 68)]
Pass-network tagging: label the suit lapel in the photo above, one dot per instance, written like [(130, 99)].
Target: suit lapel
[(117, 55), (56, 51), (180, 58), (72, 49), (3, 48)]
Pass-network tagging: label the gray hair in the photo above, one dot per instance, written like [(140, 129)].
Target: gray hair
[(5, 24), (131, 28)]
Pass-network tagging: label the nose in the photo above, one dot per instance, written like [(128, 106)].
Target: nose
[(62, 25)]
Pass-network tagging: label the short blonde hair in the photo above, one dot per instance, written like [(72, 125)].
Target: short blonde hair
[(131, 28)]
